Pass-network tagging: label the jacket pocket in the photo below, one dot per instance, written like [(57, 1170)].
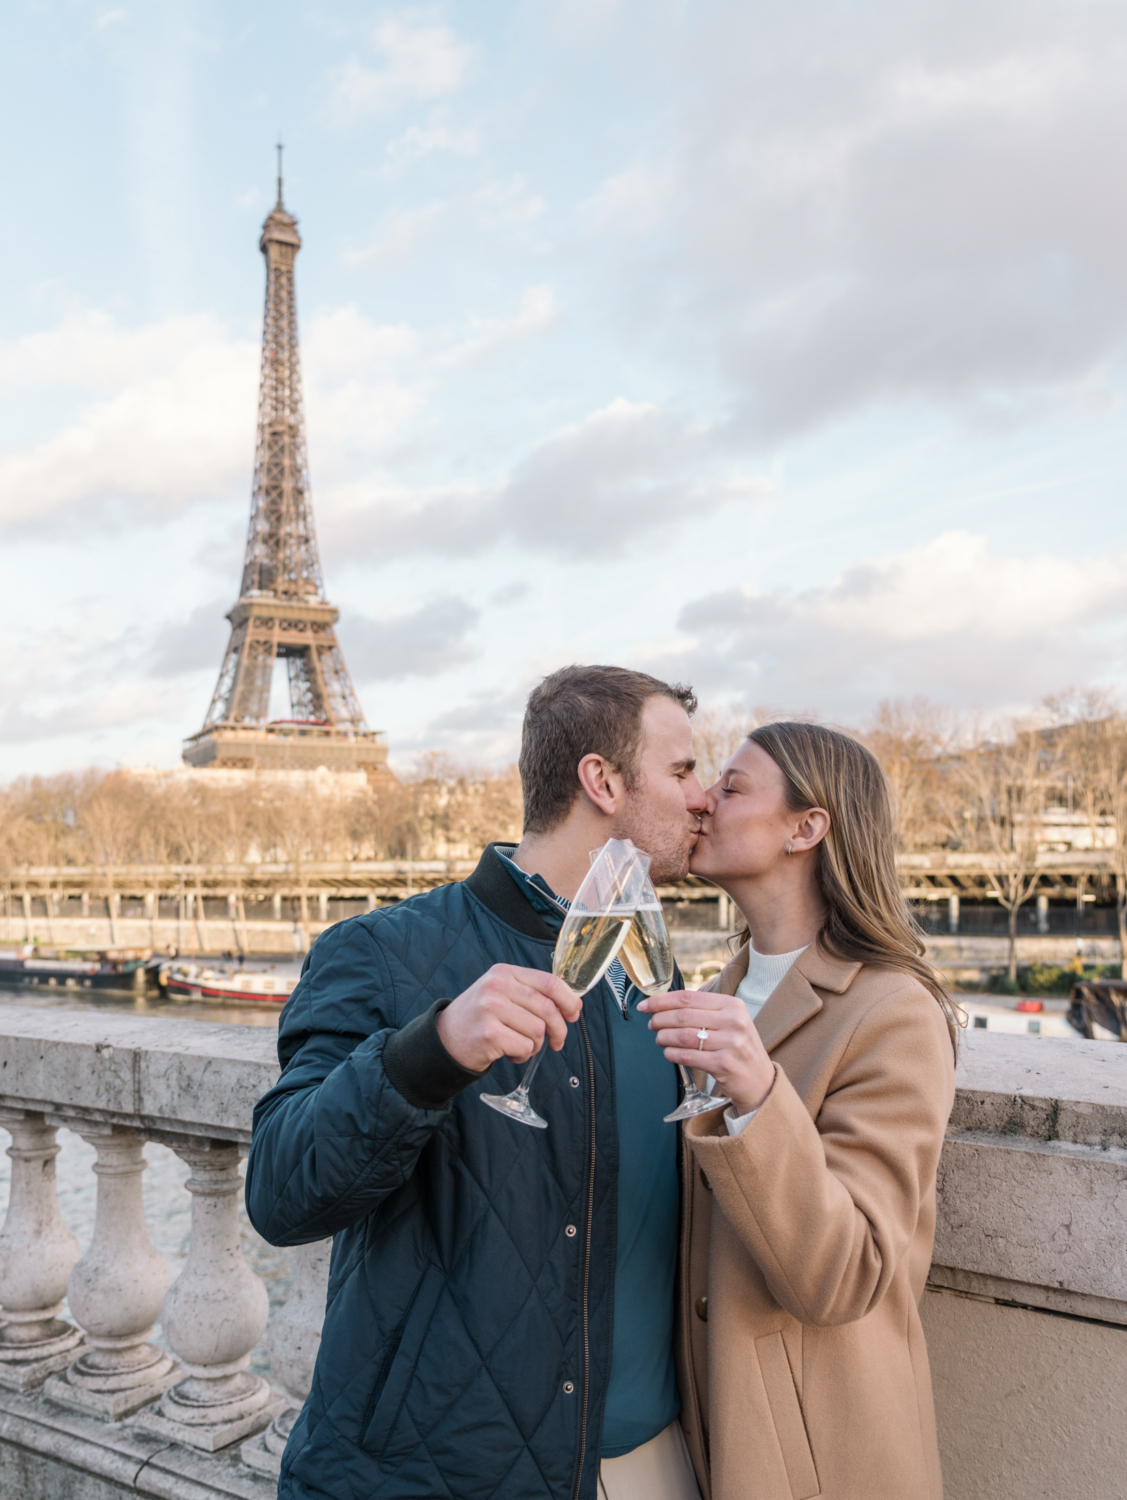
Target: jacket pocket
[(786, 1413), (400, 1358)]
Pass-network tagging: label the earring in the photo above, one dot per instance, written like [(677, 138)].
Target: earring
[(789, 849)]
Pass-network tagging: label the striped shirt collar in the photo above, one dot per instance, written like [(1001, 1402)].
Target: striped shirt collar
[(545, 900)]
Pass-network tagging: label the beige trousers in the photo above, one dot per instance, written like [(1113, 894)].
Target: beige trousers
[(659, 1470)]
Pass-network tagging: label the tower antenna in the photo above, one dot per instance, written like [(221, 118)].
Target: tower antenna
[(280, 148)]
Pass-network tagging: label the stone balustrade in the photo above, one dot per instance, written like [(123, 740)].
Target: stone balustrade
[(1026, 1309), (94, 1392)]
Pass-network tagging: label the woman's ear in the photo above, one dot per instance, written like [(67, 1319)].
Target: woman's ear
[(601, 783), (811, 830)]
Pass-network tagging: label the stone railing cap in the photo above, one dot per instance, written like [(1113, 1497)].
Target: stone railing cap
[(1048, 1088), (195, 1076)]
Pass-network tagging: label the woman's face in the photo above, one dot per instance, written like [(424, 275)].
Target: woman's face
[(746, 825)]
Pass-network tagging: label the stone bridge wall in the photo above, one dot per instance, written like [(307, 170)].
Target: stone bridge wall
[(1026, 1310)]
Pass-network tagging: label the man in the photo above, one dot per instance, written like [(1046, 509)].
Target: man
[(500, 1311)]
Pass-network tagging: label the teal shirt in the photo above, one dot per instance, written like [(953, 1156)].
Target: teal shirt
[(642, 1394), (642, 1397)]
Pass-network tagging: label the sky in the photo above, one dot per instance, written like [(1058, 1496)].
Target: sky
[(778, 349)]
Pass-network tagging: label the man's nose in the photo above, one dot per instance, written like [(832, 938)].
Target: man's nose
[(695, 799)]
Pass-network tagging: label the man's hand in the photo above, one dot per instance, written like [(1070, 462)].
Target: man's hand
[(505, 1014), (733, 1051)]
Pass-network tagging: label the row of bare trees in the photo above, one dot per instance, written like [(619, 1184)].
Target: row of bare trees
[(118, 818), (995, 788)]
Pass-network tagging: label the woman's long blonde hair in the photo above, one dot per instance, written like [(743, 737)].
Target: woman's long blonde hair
[(867, 918)]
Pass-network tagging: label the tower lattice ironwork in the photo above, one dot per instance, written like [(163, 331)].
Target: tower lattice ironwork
[(282, 612)]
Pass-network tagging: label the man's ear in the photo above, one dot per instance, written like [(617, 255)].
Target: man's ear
[(601, 782)]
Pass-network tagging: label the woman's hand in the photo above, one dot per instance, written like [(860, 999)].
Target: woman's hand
[(732, 1052)]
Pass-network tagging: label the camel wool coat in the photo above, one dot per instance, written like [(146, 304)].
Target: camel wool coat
[(806, 1244)]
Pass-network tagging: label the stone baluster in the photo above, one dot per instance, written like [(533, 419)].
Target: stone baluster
[(37, 1252), (116, 1291), (213, 1317), (292, 1343)]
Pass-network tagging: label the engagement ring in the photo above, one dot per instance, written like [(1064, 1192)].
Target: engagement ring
[(703, 1034)]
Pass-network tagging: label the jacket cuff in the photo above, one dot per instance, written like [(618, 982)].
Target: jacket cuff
[(419, 1067)]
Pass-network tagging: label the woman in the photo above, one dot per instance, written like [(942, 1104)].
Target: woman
[(810, 1200)]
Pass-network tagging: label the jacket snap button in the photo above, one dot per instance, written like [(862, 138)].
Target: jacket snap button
[(568, 1387), (701, 1306), (570, 1231), (574, 1082)]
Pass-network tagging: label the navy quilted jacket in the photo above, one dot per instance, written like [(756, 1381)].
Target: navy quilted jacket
[(467, 1343)]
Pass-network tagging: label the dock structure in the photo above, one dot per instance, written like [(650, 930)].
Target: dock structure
[(1061, 875), (269, 907)]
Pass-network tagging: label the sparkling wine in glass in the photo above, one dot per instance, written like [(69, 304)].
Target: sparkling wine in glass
[(647, 957), (593, 931)]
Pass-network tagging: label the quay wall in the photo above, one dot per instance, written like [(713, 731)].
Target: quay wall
[(966, 959)]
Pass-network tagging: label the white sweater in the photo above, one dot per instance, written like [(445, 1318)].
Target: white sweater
[(765, 972)]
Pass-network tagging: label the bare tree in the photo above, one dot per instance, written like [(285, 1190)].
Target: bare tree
[(718, 734), (109, 818), (912, 742), (1091, 733), (1007, 782)]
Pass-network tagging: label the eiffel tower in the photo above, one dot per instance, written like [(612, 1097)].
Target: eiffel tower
[(282, 611)]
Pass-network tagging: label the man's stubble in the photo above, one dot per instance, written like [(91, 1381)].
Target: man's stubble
[(669, 842)]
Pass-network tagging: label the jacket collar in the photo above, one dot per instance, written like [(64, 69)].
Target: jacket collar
[(496, 889), (796, 998)]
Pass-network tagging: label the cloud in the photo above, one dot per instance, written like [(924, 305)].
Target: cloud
[(164, 416), (504, 206), (424, 642), (948, 619), (192, 644), (913, 210), (341, 341), (67, 705), (484, 729), (419, 61), (161, 416), (418, 141), (538, 311), (600, 488)]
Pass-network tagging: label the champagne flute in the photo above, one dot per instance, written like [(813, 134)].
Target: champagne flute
[(647, 957), (593, 931)]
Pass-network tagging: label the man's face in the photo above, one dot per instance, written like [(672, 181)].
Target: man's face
[(662, 813)]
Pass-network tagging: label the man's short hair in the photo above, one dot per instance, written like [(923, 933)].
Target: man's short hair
[(580, 711)]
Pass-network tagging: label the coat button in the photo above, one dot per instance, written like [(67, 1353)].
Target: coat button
[(574, 1082), (569, 1387), (570, 1231), (701, 1307)]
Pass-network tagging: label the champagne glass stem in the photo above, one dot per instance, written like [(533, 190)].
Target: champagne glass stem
[(533, 1063)]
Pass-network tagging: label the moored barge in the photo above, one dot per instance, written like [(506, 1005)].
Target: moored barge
[(195, 982), (31, 966)]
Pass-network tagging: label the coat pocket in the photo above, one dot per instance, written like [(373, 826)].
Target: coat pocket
[(398, 1365), (786, 1413)]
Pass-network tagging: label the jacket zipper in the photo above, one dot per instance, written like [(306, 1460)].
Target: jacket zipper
[(585, 1381)]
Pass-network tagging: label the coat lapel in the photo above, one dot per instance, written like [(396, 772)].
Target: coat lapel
[(796, 998)]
